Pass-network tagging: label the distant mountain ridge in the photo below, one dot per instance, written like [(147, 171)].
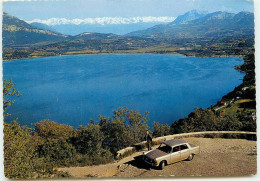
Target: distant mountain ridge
[(120, 29), (217, 24), (190, 15), (44, 27), (88, 36)]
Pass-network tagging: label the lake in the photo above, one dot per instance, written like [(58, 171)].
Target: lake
[(72, 89)]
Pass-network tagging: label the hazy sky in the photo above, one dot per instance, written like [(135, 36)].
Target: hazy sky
[(71, 9)]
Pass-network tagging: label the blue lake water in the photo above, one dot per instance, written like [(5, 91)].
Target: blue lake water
[(73, 89)]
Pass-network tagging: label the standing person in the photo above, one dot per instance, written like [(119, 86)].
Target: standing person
[(148, 139)]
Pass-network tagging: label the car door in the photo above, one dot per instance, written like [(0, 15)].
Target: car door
[(176, 154), (185, 151)]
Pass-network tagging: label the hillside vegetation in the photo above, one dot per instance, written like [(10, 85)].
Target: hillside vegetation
[(17, 33)]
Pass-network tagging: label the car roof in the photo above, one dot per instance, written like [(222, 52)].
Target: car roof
[(174, 142)]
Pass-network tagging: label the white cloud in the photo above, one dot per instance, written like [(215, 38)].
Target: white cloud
[(104, 20)]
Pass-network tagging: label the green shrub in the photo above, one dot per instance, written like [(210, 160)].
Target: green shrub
[(160, 129), (50, 129), (58, 152), (20, 153)]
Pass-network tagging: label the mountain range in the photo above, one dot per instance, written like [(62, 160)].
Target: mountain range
[(189, 31), (212, 25), (189, 16), (75, 29)]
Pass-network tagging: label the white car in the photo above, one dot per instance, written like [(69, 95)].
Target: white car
[(170, 151)]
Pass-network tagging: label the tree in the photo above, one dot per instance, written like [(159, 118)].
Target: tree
[(230, 123), (137, 124), (8, 92), (134, 121), (58, 152), (199, 120), (117, 136), (20, 152), (160, 129), (52, 130), (125, 128), (89, 139), (248, 121)]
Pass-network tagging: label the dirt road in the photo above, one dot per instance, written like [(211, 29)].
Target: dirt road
[(218, 157)]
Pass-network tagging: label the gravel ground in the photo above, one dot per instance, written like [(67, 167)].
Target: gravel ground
[(218, 157)]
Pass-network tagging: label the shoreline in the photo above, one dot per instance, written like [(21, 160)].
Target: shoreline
[(129, 53)]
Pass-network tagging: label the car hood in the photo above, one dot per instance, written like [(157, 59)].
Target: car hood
[(156, 153)]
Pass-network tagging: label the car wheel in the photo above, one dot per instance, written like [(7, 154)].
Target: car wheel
[(191, 156), (162, 165)]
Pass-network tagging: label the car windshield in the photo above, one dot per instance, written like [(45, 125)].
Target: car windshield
[(165, 148)]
